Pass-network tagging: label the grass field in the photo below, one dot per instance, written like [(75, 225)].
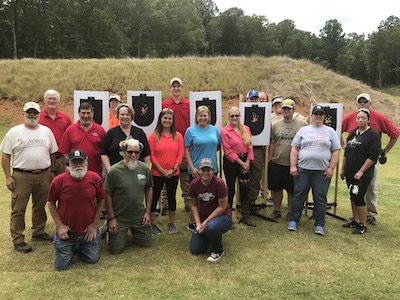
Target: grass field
[(266, 262)]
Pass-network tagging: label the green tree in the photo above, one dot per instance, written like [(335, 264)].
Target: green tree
[(332, 42)]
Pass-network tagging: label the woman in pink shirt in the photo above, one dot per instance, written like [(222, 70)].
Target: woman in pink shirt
[(238, 152), (166, 147)]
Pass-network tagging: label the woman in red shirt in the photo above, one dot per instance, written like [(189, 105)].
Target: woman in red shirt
[(166, 147), (238, 152)]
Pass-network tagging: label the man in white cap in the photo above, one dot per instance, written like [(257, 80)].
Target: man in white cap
[(181, 108), (382, 124), (76, 213), (28, 161), (113, 120), (57, 121)]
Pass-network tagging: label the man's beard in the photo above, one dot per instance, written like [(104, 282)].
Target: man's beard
[(78, 173), (132, 165), (31, 122), (86, 121)]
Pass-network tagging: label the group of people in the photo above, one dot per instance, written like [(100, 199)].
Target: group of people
[(83, 171)]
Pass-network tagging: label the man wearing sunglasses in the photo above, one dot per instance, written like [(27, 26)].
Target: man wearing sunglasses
[(382, 124), (127, 184)]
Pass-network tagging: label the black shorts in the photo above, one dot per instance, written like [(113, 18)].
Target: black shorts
[(279, 178)]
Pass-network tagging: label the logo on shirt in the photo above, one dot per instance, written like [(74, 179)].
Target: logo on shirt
[(206, 196), (141, 176)]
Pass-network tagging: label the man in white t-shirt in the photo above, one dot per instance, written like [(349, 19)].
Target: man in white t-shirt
[(29, 149)]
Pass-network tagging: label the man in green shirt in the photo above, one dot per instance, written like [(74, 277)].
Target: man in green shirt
[(127, 184)]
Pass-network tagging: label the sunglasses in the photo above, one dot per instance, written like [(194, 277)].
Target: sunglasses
[(131, 152), (234, 116), (362, 101), (319, 113)]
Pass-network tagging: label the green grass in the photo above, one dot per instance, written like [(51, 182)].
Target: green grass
[(266, 262)]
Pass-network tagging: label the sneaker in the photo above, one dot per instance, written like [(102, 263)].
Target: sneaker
[(292, 226), (360, 229), (43, 237), (214, 256), (373, 222), (23, 247), (155, 230), (319, 230), (351, 224), (191, 226), (172, 228), (270, 202), (276, 214)]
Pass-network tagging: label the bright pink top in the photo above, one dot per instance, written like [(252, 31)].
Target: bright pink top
[(233, 144), (377, 121), (166, 152), (181, 113)]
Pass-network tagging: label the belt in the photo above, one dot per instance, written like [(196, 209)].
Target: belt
[(31, 171)]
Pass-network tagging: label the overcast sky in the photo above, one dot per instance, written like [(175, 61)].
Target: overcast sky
[(310, 15)]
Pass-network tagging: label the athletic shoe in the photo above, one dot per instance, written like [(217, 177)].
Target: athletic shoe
[(43, 237), (155, 230), (172, 228), (214, 256), (292, 226), (191, 226), (319, 230), (270, 202), (23, 247), (351, 224), (373, 221), (275, 214), (360, 229), (103, 230)]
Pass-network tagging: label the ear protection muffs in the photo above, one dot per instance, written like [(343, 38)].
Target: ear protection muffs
[(125, 145)]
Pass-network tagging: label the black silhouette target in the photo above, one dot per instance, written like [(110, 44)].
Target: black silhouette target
[(254, 118), (144, 109), (330, 117), (212, 106), (97, 105)]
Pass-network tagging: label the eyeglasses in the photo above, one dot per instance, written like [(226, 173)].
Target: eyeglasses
[(234, 116), (131, 152), (318, 113), (362, 100), (206, 169)]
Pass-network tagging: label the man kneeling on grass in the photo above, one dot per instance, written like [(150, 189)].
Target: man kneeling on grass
[(76, 214), (210, 210), (127, 184)]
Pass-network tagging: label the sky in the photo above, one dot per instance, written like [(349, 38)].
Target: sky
[(362, 17)]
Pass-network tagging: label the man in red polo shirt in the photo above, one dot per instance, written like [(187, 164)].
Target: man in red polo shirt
[(57, 121), (181, 108), (86, 135)]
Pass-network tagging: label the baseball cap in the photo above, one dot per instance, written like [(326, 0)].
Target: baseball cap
[(77, 154), (318, 108), (176, 79), (277, 99), (288, 103), (32, 105), (116, 97), (206, 162), (365, 96), (252, 93)]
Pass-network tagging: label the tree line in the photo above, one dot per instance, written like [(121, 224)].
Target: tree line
[(162, 28)]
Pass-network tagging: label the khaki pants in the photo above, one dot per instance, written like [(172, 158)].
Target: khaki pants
[(372, 195), (256, 170), (27, 184)]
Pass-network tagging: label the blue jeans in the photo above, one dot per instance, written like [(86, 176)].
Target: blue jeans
[(211, 235), (307, 179), (65, 249)]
